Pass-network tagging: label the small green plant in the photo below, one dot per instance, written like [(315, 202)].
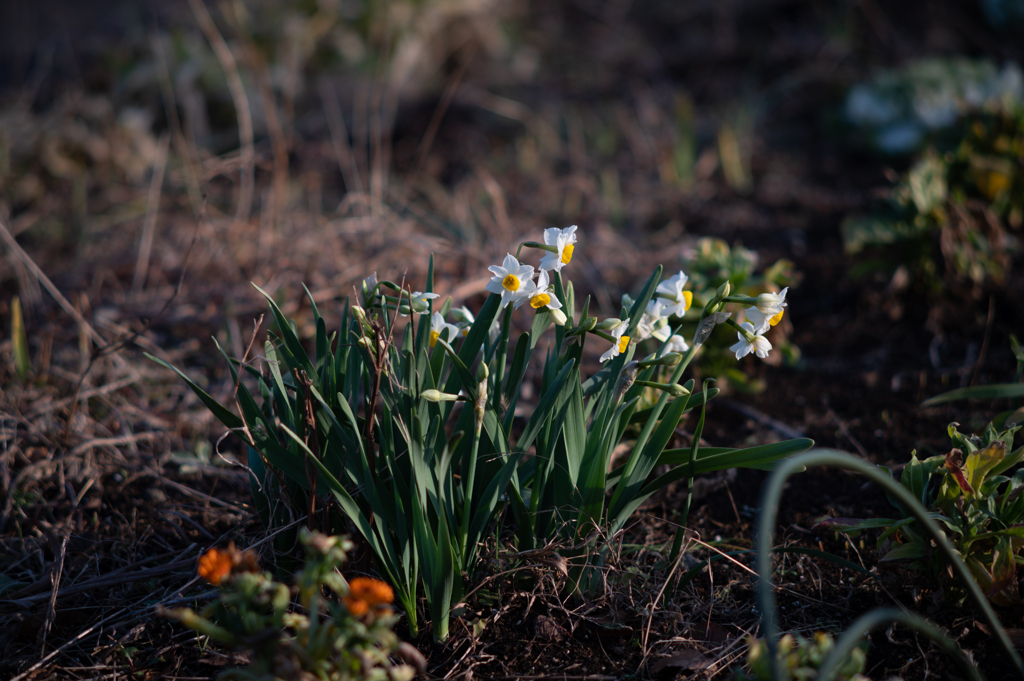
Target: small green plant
[(346, 636), (800, 659), (961, 205), (971, 493), (420, 452), (854, 634), (899, 109)]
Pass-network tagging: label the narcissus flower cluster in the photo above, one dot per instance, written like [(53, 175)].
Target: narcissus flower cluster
[(519, 284)]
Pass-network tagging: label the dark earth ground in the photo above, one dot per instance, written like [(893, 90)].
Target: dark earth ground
[(111, 496)]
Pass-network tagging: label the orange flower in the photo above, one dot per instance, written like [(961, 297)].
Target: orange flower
[(355, 606), (373, 591), (365, 593), (215, 565)]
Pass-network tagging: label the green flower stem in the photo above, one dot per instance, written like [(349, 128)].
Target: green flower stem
[(539, 246), (765, 531), (854, 635), (746, 334), (499, 369), (742, 300), (607, 336)]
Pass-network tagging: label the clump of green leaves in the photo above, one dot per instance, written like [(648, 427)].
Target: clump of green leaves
[(713, 262), (961, 206), (972, 494), (801, 657), (336, 637)]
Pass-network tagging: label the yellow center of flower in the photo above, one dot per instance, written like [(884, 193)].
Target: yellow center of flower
[(539, 301), (567, 253), (777, 318), (510, 282), (434, 335), (623, 343), (688, 299)]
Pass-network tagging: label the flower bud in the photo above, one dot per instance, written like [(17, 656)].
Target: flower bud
[(723, 290), (438, 396), (482, 372), (609, 324), (404, 310), (588, 324), (559, 317)]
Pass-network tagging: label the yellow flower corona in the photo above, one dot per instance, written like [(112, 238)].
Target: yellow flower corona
[(434, 335), (539, 301), (510, 282), (567, 253), (623, 343), (776, 318), (688, 299)]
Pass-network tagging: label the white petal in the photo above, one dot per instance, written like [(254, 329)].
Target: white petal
[(742, 348), (759, 321), (551, 261)]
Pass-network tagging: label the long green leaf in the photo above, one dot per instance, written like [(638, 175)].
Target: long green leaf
[(291, 341), (979, 392)]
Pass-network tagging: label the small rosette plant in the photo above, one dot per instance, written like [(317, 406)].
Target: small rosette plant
[(346, 636), (975, 497), (800, 659), (406, 421)]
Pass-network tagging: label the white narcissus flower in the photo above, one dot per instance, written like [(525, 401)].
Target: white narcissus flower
[(438, 326), (620, 343), (771, 304), (418, 301), (541, 295), (510, 279), (676, 343), (654, 323), (671, 294), (562, 239), (758, 344), (760, 321)]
